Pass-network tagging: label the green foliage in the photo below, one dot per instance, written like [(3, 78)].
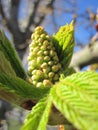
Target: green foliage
[(21, 87), (5, 65), (38, 117), (11, 55), (64, 42), (10, 95), (73, 99)]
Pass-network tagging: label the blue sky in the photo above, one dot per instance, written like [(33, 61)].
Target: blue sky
[(81, 34), (83, 4)]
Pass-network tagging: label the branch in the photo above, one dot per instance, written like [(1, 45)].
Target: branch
[(50, 3), (2, 11), (13, 26), (87, 56), (33, 13), (41, 17), (12, 22)]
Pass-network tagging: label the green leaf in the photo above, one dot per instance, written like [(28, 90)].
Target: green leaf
[(64, 43), (11, 55), (10, 96), (76, 97), (21, 87), (38, 117), (67, 72), (5, 65)]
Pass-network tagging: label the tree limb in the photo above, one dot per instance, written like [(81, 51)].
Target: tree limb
[(40, 17), (12, 22), (2, 11), (33, 13), (86, 56)]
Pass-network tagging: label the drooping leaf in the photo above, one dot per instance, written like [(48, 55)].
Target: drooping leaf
[(5, 65), (64, 42), (11, 55), (38, 117), (21, 87), (76, 97)]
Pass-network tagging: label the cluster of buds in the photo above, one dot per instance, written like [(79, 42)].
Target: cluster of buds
[(43, 63)]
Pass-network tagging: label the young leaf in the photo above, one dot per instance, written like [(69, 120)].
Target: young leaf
[(10, 95), (5, 65), (64, 43), (76, 98), (11, 55), (22, 88), (38, 117)]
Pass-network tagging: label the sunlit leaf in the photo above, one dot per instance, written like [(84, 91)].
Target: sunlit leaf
[(22, 88), (64, 42), (38, 117), (76, 98)]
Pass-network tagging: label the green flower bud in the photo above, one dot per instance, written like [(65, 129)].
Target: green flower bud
[(51, 74), (32, 36), (34, 82), (40, 52), (46, 58), (46, 70), (39, 84), (39, 73), (30, 68), (43, 62), (55, 68), (50, 63), (56, 77), (47, 82), (44, 47), (52, 53), (35, 50), (46, 43), (39, 30), (34, 71), (43, 36), (34, 77), (39, 60), (40, 40), (47, 37), (46, 52), (44, 66)]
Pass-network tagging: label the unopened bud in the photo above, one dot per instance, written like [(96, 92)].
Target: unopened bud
[(55, 68), (43, 63), (39, 84), (47, 82), (51, 74)]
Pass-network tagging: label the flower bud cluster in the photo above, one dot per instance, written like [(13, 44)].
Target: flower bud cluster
[(43, 63)]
